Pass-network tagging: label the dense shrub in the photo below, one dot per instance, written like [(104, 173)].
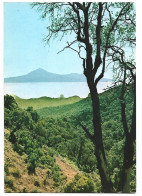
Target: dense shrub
[(80, 184), (9, 102), (6, 169), (34, 114), (16, 173), (37, 183)]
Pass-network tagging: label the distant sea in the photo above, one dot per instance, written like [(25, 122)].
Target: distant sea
[(51, 89)]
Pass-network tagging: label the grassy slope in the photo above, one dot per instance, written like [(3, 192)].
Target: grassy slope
[(41, 102), (16, 164), (19, 180)]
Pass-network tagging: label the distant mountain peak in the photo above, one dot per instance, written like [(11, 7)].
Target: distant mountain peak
[(39, 70), (41, 75)]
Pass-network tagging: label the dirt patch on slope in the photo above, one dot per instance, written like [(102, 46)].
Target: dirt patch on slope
[(68, 170)]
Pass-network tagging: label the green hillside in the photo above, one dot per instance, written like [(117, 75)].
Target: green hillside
[(82, 110), (41, 102), (112, 130), (48, 131)]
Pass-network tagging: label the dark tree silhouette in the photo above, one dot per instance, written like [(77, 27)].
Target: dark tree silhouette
[(95, 27), (126, 65), (127, 81)]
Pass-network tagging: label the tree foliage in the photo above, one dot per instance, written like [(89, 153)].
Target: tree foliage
[(109, 29)]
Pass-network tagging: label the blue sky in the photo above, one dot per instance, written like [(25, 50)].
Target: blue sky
[(24, 50)]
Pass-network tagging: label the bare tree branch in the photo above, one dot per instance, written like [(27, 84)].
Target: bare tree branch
[(69, 46), (121, 13), (79, 23), (80, 6), (87, 132), (98, 60), (123, 106), (110, 17)]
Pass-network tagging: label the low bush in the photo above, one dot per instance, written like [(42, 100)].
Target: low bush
[(16, 174), (24, 190), (80, 184), (6, 169), (9, 182), (31, 168), (37, 183)]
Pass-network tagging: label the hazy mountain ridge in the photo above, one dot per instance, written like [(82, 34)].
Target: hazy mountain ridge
[(41, 75)]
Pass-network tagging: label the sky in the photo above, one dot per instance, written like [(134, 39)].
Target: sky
[(24, 49)]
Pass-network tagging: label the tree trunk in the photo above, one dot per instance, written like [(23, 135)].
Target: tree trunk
[(127, 165), (97, 139), (130, 139), (126, 180), (129, 153)]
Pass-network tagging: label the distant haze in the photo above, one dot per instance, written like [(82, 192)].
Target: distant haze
[(51, 89), (41, 75)]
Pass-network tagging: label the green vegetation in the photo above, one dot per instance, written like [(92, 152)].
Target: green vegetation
[(9, 182), (80, 184), (41, 102), (42, 133), (16, 173), (37, 183), (108, 38), (28, 136)]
